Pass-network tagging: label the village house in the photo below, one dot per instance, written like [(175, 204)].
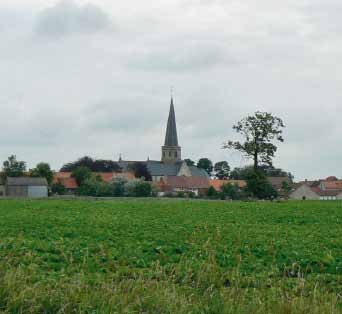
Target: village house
[(70, 184), (327, 189), (26, 187), (181, 184)]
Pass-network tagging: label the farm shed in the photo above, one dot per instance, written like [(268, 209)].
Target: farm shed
[(26, 187)]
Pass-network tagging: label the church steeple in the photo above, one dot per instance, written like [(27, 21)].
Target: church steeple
[(171, 138), (171, 151)]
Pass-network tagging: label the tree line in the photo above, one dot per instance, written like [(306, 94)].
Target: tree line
[(259, 131)]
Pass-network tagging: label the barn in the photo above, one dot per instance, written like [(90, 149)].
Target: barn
[(26, 187)]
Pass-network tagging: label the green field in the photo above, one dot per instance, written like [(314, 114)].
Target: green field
[(169, 256)]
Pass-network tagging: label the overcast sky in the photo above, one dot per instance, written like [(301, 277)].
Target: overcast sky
[(93, 78)]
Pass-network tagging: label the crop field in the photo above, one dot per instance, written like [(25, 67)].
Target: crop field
[(170, 256)]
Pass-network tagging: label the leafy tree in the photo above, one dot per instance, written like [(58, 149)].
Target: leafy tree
[(258, 186), (58, 188), (212, 193), (81, 174), (245, 172), (259, 131), (140, 170), (93, 164), (94, 187), (205, 164), (241, 173), (222, 170), (43, 170), (189, 162), (286, 187), (102, 165), (13, 168), (230, 190), (143, 189)]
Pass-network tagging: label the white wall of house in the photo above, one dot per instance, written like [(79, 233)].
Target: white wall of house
[(37, 191), (328, 198), (304, 191), (184, 170), (186, 190)]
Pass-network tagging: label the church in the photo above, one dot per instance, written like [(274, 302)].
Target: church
[(171, 163)]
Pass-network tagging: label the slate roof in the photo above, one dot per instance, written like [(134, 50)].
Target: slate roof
[(26, 181), (198, 172), (171, 138), (158, 168), (124, 164)]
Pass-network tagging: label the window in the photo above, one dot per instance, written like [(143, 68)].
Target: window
[(169, 154), (176, 154)]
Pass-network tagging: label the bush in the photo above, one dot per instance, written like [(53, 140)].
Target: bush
[(258, 186), (231, 191), (138, 188), (192, 194), (58, 188), (212, 193), (81, 174), (181, 194), (95, 187), (118, 185)]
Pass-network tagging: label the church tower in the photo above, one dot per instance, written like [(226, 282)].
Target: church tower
[(171, 152)]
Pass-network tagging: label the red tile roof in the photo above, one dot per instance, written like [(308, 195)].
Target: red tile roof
[(70, 183), (277, 182), (332, 185), (187, 182), (217, 184)]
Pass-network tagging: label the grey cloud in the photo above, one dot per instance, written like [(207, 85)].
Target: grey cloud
[(324, 18), (122, 115), (62, 99), (184, 56), (67, 17)]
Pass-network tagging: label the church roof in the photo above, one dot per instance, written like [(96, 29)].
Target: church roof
[(171, 138), (198, 172), (158, 168)]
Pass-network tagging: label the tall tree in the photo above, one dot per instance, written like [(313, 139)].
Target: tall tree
[(222, 170), (13, 168), (141, 171), (43, 170), (95, 165), (205, 164), (189, 162), (260, 131), (81, 174), (241, 173)]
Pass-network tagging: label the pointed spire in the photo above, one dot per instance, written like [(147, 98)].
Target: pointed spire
[(171, 138)]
